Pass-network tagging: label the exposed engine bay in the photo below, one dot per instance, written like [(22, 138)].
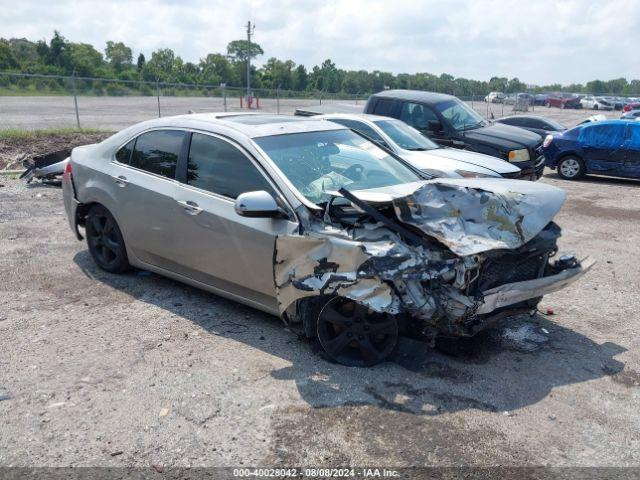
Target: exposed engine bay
[(446, 257)]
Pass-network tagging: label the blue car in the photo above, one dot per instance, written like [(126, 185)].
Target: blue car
[(609, 147)]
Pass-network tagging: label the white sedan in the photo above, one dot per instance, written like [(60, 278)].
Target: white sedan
[(408, 143)]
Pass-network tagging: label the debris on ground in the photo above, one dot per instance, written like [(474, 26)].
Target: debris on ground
[(13, 151)]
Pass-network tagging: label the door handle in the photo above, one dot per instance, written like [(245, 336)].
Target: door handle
[(190, 207), (120, 180)]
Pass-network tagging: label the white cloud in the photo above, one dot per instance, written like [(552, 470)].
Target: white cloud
[(539, 42)]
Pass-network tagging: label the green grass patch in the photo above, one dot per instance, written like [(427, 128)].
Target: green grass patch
[(21, 134)]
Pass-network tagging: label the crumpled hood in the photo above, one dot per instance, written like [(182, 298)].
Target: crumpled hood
[(471, 216)]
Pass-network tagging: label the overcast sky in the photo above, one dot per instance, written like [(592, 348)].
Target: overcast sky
[(540, 41)]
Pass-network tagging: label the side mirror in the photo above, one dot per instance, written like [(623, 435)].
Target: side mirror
[(259, 204), (434, 127)]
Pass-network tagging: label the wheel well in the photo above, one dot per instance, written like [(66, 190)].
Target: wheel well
[(83, 210), (569, 154)]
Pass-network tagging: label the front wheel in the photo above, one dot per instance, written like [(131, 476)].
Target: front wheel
[(571, 168), (353, 335), (105, 240)]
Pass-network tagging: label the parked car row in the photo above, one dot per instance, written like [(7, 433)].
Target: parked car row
[(566, 100), (345, 239)]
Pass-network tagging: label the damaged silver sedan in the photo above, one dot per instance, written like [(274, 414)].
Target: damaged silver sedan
[(313, 222)]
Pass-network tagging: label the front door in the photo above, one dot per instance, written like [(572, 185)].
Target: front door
[(631, 166), (217, 246), (603, 148), (423, 118)]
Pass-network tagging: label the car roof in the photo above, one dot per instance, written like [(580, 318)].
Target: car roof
[(252, 125), (415, 95), (605, 122), (355, 116), (537, 117)]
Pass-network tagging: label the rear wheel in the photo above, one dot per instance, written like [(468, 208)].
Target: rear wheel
[(105, 240), (353, 335), (571, 168)]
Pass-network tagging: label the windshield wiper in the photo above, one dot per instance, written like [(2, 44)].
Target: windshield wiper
[(418, 149)]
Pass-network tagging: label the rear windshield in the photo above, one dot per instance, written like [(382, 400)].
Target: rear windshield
[(320, 162)]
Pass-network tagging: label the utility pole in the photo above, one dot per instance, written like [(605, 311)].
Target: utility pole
[(250, 30)]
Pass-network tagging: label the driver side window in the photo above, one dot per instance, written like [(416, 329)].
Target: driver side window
[(417, 115), (216, 166)]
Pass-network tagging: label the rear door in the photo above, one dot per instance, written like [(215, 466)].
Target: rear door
[(631, 166), (216, 246), (603, 148), (143, 177)]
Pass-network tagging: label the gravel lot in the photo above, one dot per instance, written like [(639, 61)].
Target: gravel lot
[(115, 113), (99, 369)]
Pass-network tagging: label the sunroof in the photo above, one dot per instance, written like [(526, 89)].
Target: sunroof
[(260, 119)]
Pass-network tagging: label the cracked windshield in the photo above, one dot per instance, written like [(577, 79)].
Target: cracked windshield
[(321, 162)]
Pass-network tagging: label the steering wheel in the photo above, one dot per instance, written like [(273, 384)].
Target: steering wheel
[(354, 172)]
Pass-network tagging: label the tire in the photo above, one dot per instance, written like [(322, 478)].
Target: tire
[(571, 168), (352, 335), (105, 241), (595, 107)]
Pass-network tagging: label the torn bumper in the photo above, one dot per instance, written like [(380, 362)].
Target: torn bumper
[(70, 204), (512, 293)]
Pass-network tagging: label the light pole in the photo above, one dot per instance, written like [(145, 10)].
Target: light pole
[(250, 30)]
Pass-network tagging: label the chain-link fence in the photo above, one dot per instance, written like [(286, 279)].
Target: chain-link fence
[(33, 101)]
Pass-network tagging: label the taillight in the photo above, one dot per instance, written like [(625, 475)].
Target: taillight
[(547, 141), (67, 169)]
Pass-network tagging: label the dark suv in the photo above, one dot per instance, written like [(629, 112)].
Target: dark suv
[(452, 123)]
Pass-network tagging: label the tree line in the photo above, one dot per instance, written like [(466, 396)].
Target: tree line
[(60, 56)]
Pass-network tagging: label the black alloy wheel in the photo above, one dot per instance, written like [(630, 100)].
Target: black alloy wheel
[(355, 336), (105, 241)]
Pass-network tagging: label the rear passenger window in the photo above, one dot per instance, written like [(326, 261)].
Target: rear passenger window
[(416, 115), (157, 152), (124, 154), (219, 167), (384, 107)]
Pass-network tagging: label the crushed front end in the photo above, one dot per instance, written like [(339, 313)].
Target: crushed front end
[(449, 257)]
